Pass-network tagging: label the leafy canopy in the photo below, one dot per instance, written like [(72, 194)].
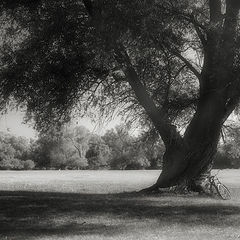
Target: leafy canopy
[(56, 59)]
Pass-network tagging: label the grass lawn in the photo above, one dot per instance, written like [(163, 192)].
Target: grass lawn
[(85, 205)]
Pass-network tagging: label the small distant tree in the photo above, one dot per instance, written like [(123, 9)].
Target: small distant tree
[(40, 151), (6, 150), (21, 146), (125, 150), (28, 164), (153, 148), (13, 151), (11, 164), (98, 153), (78, 138), (228, 155), (77, 163), (64, 155)]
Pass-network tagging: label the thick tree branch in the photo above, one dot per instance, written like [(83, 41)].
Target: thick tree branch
[(215, 11), (229, 31), (158, 116), (214, 30)]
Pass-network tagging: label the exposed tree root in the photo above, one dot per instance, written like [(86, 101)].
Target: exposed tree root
[(185, 187), (178, 189), (188, 188), (151, 189)]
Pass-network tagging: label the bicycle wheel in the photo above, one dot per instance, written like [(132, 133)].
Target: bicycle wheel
[(223, 192)]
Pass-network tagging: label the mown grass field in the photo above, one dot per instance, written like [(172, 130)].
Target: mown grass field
[(86, 205)]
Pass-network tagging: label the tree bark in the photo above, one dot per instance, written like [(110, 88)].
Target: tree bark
[(192, 161)]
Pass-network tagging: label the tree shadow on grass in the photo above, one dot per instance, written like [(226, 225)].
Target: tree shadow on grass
[(28, 231), (27, 214)]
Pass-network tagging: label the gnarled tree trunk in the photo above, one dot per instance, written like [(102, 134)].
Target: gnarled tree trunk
[(193, 159)]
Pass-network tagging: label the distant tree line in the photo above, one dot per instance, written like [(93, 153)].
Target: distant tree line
[(15, 153), (78, 148)]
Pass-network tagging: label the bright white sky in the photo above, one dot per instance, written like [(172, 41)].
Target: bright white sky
[(13, 123)]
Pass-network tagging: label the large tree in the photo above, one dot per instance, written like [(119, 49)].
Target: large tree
[(172, 63)]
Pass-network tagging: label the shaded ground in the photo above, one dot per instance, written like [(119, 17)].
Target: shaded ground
[(60, 215)]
